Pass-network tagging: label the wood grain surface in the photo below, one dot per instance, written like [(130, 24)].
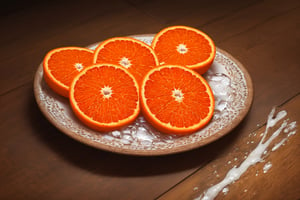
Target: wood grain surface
[(37, 161)]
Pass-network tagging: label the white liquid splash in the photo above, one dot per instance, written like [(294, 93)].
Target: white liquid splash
[(267, 166), (255, 156)]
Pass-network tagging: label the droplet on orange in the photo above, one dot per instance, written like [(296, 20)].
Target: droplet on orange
[(61, 65), (176, 100), (134, 55), (185, 46), (105, 97)]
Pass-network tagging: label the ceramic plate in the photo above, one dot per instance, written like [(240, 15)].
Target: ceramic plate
[(232, 88)]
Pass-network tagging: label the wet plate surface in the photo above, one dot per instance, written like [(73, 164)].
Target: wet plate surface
[(233, 93)]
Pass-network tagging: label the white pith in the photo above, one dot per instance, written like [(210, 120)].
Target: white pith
[(177, 95), (106, 91), (125, 62), (182, 49), (78, 66)]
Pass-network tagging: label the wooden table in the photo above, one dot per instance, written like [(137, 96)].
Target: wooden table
[(37, 161)]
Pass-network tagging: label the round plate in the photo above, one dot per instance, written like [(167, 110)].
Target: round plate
[(232, 88)]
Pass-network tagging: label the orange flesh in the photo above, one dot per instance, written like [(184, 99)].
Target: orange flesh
[(62, 64), (140, 58), (193, 107), (198, 47), (120, 105)]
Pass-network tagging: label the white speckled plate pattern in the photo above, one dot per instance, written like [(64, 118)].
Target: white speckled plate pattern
[(233, 93)]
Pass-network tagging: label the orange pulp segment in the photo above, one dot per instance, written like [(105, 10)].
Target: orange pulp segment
[(176, 100), (185, 46), (105, 97), (134, 55), (61, 65)]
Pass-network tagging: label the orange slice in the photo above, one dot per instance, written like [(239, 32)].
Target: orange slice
[(136, 56), (185, 46), (61, 65), (105, 97), (176, 100)]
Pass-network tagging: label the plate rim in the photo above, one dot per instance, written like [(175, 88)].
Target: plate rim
[(157, 152)]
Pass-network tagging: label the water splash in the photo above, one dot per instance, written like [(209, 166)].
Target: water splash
[(256, 155)]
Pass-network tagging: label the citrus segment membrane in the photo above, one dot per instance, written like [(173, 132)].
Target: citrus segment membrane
[(61, 65), (176, 100), (134, 55), (186, 46), (105, 97)]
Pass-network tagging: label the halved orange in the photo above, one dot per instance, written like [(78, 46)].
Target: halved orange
[(134, 55), (176, 100), (105, 97), (61, 65), (185, 46)]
